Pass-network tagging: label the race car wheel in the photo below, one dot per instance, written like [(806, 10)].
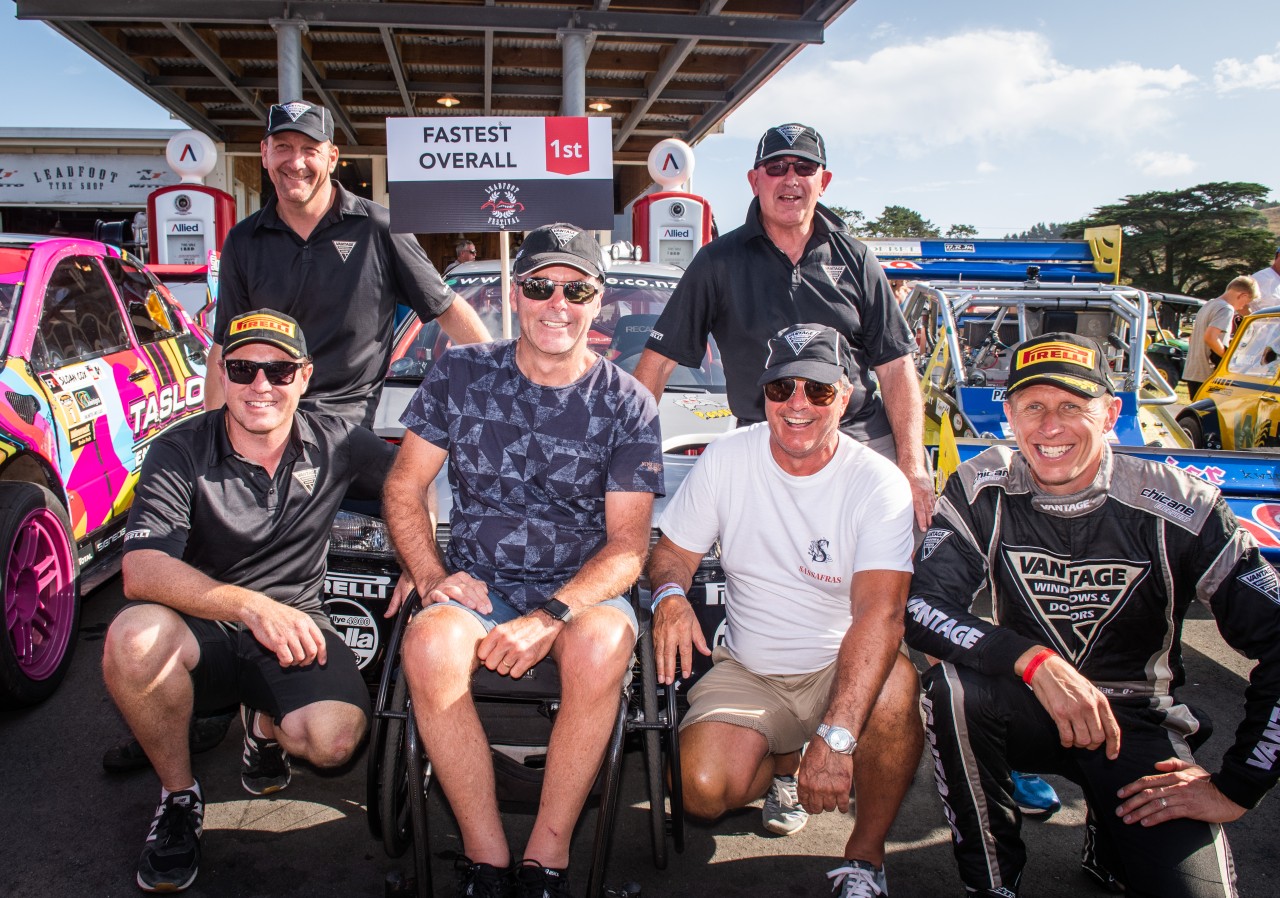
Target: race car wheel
[(41, 594), (1191, 427), (1170, 371)]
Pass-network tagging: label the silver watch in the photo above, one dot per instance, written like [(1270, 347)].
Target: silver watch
[(838, 739)]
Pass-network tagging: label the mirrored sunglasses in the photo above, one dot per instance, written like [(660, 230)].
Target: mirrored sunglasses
[(776, 168), (577, 292), (243, 371), (780, 390)]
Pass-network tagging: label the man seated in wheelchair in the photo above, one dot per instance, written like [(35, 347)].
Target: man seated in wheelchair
[(554, 460), (224, 561), (815, 536)]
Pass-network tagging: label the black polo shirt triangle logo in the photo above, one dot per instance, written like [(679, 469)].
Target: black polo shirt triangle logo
[(344, 247), (1264, 580), (834, 272), (1074, 600), (790, 133), (307, 478)]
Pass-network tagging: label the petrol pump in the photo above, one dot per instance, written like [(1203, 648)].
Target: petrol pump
[(188, 220), (670, 226)]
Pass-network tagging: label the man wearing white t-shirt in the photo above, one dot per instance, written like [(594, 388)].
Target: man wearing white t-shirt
[(815, 536), (1268, 285)]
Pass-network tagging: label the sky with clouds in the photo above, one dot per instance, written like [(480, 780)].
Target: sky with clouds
[(993, 113)]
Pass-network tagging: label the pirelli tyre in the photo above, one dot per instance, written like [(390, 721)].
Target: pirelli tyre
[(40, 581)]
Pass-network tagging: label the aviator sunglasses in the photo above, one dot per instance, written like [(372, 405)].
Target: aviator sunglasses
[(243, 371), (577, 292), (777, 168), (780, 390)]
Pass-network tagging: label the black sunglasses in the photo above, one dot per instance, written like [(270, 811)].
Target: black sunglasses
[(780, 390), (577, 292), (776, 168), (243, 371)]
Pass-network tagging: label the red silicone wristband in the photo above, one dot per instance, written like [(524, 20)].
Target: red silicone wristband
[(1034, 664)]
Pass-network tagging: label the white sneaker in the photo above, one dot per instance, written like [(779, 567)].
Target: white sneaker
[(782, 812), (858, 879)]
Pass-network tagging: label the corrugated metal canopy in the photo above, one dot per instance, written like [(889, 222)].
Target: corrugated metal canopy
[(667, 68)]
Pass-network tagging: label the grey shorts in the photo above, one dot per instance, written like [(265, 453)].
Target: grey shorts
[(784, 708)]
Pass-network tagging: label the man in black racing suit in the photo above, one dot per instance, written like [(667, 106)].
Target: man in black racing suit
[(1092, 559)]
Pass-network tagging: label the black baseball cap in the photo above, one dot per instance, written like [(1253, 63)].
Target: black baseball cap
[(1069, 361), (559, 244), (266, 326), (305, 118), (792, 139), (812, 351)]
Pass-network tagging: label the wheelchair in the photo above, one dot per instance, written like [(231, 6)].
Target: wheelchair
[(518, 714)]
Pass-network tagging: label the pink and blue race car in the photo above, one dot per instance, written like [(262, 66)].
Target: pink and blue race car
[(97, 361)]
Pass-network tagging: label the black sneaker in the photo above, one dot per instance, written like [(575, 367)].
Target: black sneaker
[(171, 858), (264, 766), (482, 880), (536, 881), (206, 733)]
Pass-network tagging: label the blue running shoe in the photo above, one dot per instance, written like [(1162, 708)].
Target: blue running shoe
[(1034, 796)]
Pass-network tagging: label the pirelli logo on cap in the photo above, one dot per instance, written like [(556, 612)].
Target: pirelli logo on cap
[(1057, 352), (263, 322)]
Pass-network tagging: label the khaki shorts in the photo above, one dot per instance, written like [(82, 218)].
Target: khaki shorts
[(784, 708)]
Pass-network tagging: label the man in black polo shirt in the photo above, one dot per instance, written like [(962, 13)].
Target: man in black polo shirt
[(329, 259), (224, 560), (794, 260)]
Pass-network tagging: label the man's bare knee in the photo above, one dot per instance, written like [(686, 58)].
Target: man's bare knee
[(441, 638), (326, 733), (593, 653), (719, 762), (144, 642), (896, 713)]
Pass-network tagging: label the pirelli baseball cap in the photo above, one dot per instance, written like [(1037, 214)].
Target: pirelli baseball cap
[(1069, 361), (812, 351), (559, 244), (793, 139), (314, 121), (266, 326)]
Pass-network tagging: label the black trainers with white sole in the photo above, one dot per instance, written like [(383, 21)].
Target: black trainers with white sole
[(264, 766), (171, 857)]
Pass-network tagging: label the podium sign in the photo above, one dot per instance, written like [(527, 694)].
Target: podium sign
[(447, 174)]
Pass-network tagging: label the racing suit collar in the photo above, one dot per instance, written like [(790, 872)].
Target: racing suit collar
[(1072, 505)]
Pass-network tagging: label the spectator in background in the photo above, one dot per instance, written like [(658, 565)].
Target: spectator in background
[(465, 251), (1268, 285), (1212, 331)]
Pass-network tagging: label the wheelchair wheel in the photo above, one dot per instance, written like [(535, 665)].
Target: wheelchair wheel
[(654, 772), (378, 726), (393, 788)]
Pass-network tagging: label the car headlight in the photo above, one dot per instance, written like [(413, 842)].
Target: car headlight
[(360, 535)]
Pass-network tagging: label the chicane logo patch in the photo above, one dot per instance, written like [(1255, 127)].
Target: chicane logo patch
[(1073, 599), (1264, 580), (835, 272), (344, 247), (798, 340), (932, 540)]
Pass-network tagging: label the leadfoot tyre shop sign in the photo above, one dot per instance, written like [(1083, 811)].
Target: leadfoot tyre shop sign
[(499, 174)]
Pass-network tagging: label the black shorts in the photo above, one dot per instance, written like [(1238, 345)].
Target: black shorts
[(235, 668)]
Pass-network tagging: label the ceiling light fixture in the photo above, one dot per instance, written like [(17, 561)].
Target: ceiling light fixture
[(448, 101), (600, 105)]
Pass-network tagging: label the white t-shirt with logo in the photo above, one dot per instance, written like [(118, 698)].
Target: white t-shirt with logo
[(790, 545)]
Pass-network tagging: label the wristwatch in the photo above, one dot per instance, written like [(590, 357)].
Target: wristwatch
[(557, 610), (838, 739)]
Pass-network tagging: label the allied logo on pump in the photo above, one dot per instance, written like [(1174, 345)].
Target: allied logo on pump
[(1073, 600)]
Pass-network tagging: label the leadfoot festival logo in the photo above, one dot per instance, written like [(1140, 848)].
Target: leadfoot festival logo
[(501, 204)]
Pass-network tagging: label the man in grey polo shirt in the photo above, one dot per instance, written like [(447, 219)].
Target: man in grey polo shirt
[(224, 561)]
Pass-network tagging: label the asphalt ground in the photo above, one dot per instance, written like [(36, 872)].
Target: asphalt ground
[(69, 829)]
